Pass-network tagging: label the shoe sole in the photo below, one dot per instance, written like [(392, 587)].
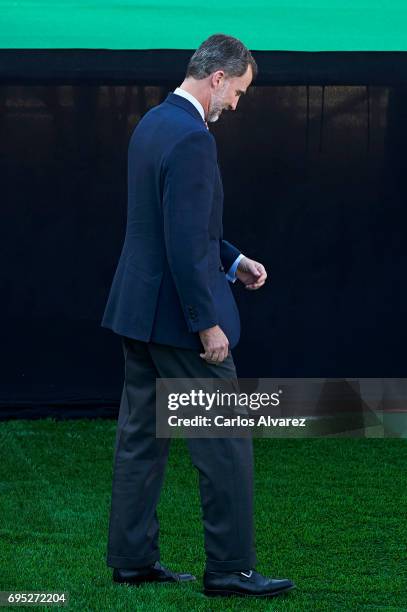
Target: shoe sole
[(227, 593), (141, 582)]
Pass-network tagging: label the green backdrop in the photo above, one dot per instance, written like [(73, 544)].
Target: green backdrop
[(296, 25)]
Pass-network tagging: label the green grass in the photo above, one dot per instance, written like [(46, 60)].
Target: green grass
[(330, 515)]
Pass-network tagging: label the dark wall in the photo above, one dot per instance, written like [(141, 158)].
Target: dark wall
[(315, 188)]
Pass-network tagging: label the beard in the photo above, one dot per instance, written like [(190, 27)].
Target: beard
[(214, 113), (216, 106)]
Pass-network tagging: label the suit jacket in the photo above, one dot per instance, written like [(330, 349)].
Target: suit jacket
[(170, 280)]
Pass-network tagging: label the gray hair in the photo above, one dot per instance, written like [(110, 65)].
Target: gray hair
[(221, 52)]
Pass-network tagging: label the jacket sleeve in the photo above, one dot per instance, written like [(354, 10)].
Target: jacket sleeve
[(189, 174), (228, 253)]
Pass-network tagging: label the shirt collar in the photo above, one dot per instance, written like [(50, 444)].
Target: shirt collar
[(192, 99)]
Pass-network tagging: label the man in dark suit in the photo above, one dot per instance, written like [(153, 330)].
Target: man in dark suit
[(172, 305)]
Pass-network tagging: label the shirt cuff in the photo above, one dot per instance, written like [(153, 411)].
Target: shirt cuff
[(231, 273)]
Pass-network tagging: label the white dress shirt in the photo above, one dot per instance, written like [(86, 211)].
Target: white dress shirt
[(192, 99)]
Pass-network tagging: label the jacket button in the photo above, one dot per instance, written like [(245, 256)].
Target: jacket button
[(221, 268)]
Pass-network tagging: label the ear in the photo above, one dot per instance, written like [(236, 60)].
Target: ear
[(218, 76)]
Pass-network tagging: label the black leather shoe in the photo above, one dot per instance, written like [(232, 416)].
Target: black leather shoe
[(249, 583), (152, 573)]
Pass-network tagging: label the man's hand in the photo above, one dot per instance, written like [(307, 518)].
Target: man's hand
[(215, 343), (251, 273)]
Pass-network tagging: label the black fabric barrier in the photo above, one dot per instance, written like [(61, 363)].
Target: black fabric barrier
[(152, 66), (315, 188)]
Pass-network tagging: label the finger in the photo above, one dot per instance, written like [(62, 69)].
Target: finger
[(208, 355), (258, 282), (215, 356), (262, 277), (258, 267), (224, 355), (211, 362), (221, 356), (255, 285), (261, 269)]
